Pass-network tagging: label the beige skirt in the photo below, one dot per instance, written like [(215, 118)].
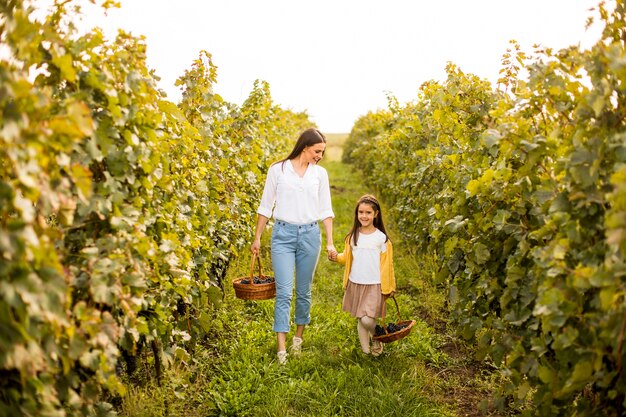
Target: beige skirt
[(363, 300)]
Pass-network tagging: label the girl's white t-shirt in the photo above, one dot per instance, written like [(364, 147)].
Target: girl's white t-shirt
[(366, 258)]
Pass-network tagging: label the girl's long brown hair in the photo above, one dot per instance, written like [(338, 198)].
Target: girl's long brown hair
[(371, 201)]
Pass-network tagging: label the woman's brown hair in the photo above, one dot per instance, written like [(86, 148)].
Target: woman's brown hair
[(309, 137)]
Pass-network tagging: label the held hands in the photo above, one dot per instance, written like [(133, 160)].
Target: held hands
[(332, 252)]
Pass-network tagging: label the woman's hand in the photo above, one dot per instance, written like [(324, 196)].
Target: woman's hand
[(256, 247), (260, 225), (332, 252)]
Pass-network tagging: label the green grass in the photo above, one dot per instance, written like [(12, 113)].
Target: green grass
[(235, 372)]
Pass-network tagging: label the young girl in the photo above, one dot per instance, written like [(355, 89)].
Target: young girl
[(369, 277)]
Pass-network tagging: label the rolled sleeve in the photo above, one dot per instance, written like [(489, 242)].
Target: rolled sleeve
[(326, 208), (341, 258), (266, 207)]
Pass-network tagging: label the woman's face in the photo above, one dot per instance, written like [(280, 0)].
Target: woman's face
[(314, 153)]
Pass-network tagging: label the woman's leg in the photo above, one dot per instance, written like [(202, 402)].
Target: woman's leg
[(280, 341), (299, 330), (296, 345), (283, 262), (307, 256)]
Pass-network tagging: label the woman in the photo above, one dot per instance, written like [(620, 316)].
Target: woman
[(297, 192)]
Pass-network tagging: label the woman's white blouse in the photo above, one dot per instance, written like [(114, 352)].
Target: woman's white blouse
[(294, 199)]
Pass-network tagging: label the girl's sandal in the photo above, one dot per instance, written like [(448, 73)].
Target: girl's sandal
[(377, 347)]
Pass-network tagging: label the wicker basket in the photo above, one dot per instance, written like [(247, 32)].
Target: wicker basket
[(252, 291), (390, 337)]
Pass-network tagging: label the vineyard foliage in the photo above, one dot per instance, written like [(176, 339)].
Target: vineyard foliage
[(119, 210), (520, 194)]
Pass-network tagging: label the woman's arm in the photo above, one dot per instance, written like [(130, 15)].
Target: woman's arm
[(264, 212), (328, 228), (260, 226)]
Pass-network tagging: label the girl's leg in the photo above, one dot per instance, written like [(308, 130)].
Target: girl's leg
[(366, 331), (369, 323), (364, 336), (307, 256)]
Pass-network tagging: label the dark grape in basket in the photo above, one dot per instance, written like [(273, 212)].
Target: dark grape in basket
[(391, 328), (258, 280)]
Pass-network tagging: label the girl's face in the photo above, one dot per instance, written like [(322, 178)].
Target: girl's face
[(313, 154), (366, 214)]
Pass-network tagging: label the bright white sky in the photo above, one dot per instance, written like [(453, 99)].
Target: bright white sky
[(337, 59)]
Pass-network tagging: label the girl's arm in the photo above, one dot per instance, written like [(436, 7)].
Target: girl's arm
[(341, 257), (387, 273)]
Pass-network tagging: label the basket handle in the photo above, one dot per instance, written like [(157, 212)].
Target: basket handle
[(397, 309), (258, 259)]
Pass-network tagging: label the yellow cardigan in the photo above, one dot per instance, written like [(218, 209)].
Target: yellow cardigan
[(387, 276)]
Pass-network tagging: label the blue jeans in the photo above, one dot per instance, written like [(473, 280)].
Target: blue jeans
[(294, 247)]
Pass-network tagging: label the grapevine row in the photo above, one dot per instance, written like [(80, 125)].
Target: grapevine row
[(519, 193), (119, 210)]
